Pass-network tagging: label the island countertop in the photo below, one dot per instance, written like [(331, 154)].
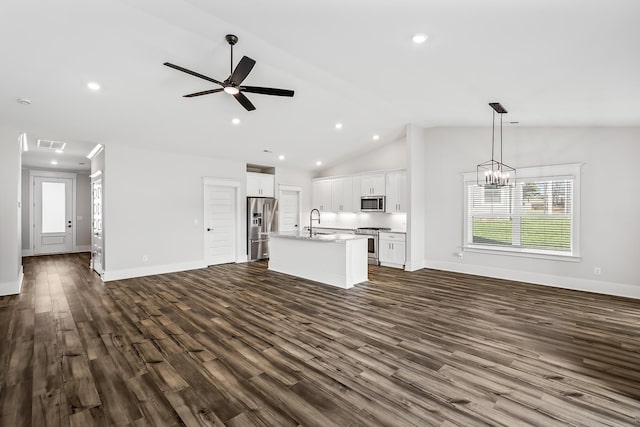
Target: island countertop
[(304, 235)]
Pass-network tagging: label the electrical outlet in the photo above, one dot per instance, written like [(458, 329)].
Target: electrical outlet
[(145, 258), (196, 222), (597, 271)]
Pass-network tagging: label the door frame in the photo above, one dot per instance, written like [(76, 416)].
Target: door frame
[(93, 179), (50, 174), (298, 190), (240, 255)]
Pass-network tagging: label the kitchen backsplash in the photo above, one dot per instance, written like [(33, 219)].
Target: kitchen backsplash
[(396, 221)]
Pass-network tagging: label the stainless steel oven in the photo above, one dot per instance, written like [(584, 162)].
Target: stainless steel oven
[(372, 233)]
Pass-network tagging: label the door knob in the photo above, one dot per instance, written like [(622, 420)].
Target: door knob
[(209, 229)]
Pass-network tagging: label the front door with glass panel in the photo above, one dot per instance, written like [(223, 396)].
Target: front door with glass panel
[(53, 215)]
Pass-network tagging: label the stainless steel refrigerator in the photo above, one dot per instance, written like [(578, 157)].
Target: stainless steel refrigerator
[(262, 218)]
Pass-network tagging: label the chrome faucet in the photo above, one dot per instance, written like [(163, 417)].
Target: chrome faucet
[(311, 219)]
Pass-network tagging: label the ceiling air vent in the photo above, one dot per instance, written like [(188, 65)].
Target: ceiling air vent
[(52, 145)]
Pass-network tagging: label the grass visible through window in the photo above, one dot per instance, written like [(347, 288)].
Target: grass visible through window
[(535, 232)]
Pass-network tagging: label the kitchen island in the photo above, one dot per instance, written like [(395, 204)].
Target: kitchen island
[(334, 259)]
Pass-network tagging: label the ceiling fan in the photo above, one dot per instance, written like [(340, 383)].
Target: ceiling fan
[(233, 84)]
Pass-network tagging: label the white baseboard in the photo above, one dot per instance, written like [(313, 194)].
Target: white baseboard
[(128, 273), (77, 249), (414, 266), (12, 287), (574, 283), (391, 265)]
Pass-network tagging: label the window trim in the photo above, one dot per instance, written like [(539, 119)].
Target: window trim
[(543, 173)]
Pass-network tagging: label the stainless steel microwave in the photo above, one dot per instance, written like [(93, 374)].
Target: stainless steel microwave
[(372, 204)]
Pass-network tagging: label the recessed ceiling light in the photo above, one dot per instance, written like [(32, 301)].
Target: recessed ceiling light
[(419, 38), (376, 137), (23, 101), (93, 86), (231, 90), (281, 156), (59, 151), (235, 121), (318, 163), (338, 125), (54, 162)]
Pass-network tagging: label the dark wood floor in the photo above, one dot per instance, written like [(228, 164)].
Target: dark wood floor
[(238, 345)]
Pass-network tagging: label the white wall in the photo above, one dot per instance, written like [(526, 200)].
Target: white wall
[(416, 176), (25, 221), (151, 200), (83, 209), (610, 205), (288, 176), (10, 212), (388, 156)]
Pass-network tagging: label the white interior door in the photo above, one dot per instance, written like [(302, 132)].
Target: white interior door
[(220, 224), (289, 210), (53, 215)]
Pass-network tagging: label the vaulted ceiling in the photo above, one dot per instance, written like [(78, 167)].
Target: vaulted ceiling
[(549, 62)]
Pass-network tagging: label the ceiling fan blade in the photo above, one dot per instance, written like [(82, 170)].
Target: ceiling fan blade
[(244, 101), (204, 92), (193, 73), (267, 90), (242, 70)]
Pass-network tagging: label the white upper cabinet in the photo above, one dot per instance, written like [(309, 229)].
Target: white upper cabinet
[(342, 194), (396, 200), (321, 195), (372, 184), (260, 185), (333, 194)]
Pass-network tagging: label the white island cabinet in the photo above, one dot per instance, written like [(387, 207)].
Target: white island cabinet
[(334, 259)]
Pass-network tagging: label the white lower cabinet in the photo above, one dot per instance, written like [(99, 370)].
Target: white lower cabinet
[(392, 249)]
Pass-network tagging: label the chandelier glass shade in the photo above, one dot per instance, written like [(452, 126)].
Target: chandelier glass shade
[(494, 173)]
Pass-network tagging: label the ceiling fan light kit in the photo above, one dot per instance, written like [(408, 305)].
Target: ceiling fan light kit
[(492, 173), (233, 84)]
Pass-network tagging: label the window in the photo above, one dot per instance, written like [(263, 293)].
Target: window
[(53, 207), (539, 215)]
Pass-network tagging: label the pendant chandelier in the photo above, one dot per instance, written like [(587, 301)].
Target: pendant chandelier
[(493, 173)]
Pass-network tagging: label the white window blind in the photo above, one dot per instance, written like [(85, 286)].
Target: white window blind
[(536, 215)]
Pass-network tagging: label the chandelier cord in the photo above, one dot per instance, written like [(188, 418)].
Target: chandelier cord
[(493, 135), (500, 137)]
